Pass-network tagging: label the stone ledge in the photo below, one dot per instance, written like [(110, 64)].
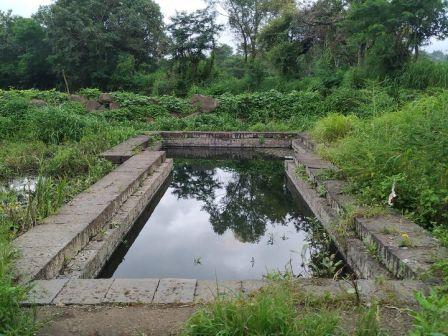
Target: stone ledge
[(352, 249), (227, 135), (190, 291), (410, 259), (89, 261), (126, 149), (228, 139), (44, 248)]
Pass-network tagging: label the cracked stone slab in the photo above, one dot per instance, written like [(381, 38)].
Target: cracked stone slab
[(175, 291), (83, 292), (209, 290), (44, 291), (132, 291)]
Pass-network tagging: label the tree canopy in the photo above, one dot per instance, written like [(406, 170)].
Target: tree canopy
[(124, 44)]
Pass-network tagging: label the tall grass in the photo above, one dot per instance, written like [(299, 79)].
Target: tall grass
[(13, 320), (424, 74), (408, 147), (282, 309)]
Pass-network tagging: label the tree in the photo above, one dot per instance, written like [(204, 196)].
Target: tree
[(89, 38), (420, 20), (385, 32), (192, 38), (298, 30), (23, 53), (246, 18)]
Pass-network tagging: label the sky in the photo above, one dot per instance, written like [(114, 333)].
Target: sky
[(28, 7)]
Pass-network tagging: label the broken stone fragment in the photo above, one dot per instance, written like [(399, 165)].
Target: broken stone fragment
[(204, 104), (92, 105), (38, 102), (114, 106), (105, 98), (77, 98)]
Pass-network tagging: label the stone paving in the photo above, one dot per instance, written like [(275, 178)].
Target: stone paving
[(189, 291)]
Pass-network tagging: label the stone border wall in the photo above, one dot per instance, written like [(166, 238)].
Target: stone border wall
[(69, 235), (412, 258), (189, 291), (228, 139), (45, 249)]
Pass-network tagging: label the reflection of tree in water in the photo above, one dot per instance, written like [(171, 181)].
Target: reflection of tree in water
[(254, 196)]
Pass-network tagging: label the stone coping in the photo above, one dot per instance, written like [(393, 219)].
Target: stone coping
[(45, 248), (349, 245), (409, 258), (126, 149), (226, 135), (259, 140), (90, 261), (189, 291)]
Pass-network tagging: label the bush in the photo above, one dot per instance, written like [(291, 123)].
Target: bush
[(424, 73), (409, 147), (333, 127)]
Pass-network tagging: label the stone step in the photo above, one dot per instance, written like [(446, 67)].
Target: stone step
[(407, 250), (363, 263), (90, 261), (126, 149), (188, 291), (46, 247)]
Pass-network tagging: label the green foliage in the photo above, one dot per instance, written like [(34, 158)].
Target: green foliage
[(369, 323), (333, 127), (424, 74), (93, 41), (406, 147), (13, 320), (271, 312), (432, 317), (23, 53)]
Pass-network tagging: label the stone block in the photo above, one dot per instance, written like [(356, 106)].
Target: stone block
[(132, 291), (44, 291), (83, 292), (175, 291)]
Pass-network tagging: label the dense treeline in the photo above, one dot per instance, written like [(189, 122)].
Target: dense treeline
[(125, 45)]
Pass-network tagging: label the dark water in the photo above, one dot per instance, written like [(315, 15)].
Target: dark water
[(219, 219)]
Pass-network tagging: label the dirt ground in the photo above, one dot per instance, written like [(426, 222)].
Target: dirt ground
[(112, 321), (148, 320)]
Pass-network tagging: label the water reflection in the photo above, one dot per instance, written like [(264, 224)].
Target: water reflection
[(220, 219)]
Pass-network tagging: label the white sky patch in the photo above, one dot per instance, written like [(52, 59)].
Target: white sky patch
[(28, 7)]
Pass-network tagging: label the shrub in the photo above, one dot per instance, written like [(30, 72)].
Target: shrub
[(333, 127), (408, 147), (424, 73)]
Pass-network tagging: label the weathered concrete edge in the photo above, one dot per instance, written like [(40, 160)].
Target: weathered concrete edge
[(228, 139), (351, 248), (89, 261), (403, 262), (79, 236), (191, 291), (126, 149)]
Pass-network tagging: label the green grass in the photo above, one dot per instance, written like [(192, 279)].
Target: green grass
[(334, 126), (373, 133), (13, 320), (281, 309), (408, 147)]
